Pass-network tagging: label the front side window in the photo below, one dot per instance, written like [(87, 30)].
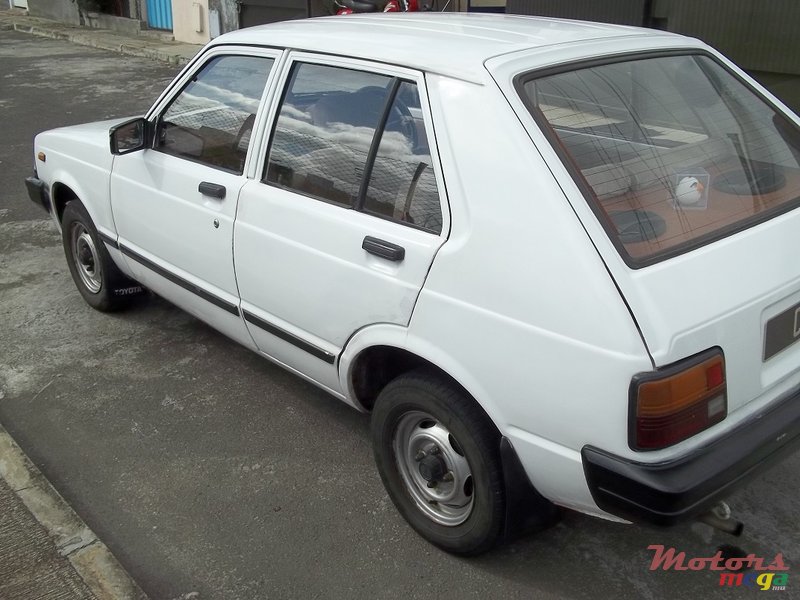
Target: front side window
[(356, 139), (672, 152), (211, 120)]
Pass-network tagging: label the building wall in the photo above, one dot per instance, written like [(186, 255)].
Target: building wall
[(227, 12), (189, 16), (623, 12), (759, 35), (57, 10)]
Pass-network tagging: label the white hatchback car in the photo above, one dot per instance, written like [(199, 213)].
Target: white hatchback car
[(557, 261)]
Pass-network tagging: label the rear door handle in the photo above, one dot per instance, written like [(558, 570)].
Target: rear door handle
[(384, 249), (214, 190)]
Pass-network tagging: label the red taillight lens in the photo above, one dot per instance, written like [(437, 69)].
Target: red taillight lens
[(675, 403)]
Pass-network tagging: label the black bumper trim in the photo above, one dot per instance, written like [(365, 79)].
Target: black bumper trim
[(37, 191), (673, 491)]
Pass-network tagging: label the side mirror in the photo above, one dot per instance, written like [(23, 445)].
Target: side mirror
[(129, 136)]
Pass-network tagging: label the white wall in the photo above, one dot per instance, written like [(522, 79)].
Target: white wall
[(187, 17)]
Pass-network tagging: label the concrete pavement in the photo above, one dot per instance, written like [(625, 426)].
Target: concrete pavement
[(46, 550), (153, 45)]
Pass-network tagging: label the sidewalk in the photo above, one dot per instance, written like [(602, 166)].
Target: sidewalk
[(46, 550), (148, 45)]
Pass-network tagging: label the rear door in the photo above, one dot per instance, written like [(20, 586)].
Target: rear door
[(341, 225)]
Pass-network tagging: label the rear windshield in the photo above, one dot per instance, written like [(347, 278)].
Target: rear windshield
[(672, 152)]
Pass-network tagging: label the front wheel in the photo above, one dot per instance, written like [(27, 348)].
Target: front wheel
[(438, 456), (97, 278)]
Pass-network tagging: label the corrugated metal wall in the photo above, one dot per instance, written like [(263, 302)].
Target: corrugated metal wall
[(761, 35), (159, 14), (624, 12)]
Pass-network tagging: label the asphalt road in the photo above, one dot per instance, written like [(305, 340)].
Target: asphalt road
[(207, 469)]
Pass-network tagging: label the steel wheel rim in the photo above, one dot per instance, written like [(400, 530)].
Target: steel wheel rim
[(426, 452), (86, 258)]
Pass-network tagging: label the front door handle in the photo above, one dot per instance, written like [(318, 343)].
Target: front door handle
[(384, 249), (214, 190)]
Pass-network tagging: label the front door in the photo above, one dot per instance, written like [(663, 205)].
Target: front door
[(175, 203), (342, 228)]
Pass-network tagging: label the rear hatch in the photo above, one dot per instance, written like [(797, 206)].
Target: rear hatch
[(693, 179)]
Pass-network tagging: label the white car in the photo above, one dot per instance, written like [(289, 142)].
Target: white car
[(557, 261)]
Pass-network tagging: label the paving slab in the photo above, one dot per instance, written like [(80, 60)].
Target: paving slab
[(46, 550)]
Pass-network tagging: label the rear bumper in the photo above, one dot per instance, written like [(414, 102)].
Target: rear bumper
[(673, 491), (37, 191)]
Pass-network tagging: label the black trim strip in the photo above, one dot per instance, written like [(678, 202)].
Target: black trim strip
[(188, 286), (393, 86), (288, 337), (108, 240)]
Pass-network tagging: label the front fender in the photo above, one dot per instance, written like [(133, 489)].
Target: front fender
[(79, 157), (61, 177)]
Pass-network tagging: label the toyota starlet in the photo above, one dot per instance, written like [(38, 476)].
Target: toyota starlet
[(558, 262)]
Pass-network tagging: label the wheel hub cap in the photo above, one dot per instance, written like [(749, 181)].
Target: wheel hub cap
[(85, 258), (434, 469)]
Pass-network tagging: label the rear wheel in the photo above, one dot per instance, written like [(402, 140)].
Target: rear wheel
[(438, 456), (99, 281)]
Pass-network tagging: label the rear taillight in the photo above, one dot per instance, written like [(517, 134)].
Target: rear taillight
[(676, 402)]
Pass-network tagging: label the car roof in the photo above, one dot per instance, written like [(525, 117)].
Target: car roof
[(453, 44)]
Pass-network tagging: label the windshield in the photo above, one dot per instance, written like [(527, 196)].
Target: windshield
[(672, 152)]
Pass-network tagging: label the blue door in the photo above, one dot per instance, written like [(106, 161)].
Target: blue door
[(159, 14)]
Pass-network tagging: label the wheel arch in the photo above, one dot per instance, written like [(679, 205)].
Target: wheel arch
[(65, 188), (377, 354), (61, 194)]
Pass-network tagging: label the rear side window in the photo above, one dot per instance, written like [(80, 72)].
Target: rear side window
[(325, 129), (672, 152), (356, 139)]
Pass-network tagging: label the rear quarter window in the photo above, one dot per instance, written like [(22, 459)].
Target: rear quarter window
[(672, 152)]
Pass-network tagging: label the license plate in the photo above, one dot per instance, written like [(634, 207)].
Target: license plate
[(782, 331)]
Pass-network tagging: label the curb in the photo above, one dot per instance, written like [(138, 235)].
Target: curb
[(91, 558), (104, 40)]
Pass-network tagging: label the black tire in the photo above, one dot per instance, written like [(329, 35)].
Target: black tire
[(412, 398), (99, 281)]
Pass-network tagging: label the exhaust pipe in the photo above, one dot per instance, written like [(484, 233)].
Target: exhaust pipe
[(719, 517)]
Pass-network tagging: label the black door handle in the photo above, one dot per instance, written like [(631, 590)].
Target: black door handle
[(384, 249), (214, 190)]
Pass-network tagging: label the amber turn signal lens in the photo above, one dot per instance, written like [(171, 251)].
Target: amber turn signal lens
[(677, 402)]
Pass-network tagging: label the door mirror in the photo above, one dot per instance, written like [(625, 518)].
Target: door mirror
[(129, 136)]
